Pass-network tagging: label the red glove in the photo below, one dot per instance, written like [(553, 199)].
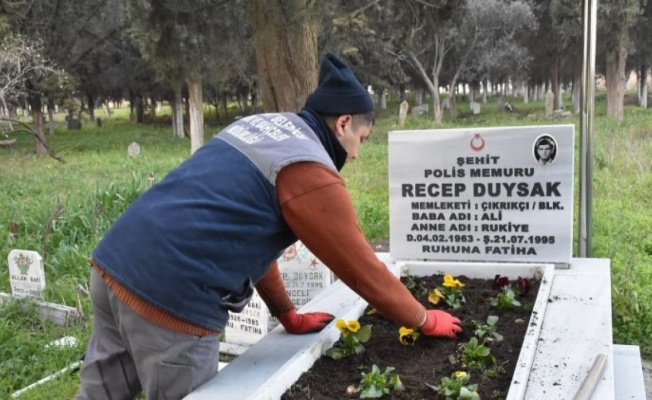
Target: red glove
[(294, 322), (440, 323)]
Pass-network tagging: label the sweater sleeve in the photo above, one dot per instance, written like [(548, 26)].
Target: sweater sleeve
[(272, 290), (318, 209)]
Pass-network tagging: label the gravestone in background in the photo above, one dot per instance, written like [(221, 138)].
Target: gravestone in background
[(133, 149), (27, 279), (247, 327), (446, 104), (402, 113), (475, 108), (73, 124), (420, 110), (304, 277), (550, 103), (26, 274)]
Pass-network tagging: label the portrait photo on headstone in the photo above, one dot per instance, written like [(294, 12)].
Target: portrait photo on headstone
[(545, 149)]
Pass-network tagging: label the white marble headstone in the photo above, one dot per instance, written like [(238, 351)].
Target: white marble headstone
[(26, 273), (133, 149), (304, 277)]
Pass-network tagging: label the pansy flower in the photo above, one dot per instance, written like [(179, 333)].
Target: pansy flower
[(434, 296), (407, 336), (451, 282), (347, 327)]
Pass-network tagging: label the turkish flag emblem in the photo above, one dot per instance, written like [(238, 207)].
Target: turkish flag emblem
[(477, 143)]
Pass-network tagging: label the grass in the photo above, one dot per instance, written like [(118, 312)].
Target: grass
[(61, 211)]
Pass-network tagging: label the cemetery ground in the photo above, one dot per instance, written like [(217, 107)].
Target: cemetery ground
[(62, 209)]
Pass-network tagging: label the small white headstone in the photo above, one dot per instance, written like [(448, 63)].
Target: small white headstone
[(446, 104), (249, 326), (420, 110), (303, 274), (26, 274), (550, 103), (402, 113), (133, 149), (304, 277), (475, 108)]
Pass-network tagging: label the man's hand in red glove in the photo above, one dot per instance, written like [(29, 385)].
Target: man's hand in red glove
[(440, 323), (294, 322)]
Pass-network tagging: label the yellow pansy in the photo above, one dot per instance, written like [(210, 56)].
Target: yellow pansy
[(434, 296), (341, 325), (347, 327), (407, 336), (451, 282), (460, 375), (353, 326)]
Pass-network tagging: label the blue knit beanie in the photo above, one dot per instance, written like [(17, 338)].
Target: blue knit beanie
[(339, 91)]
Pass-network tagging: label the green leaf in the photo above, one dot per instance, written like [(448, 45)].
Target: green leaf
[(466, 394), (364, 333), (432, 387), (371, 392), (396, 383), (492, 319)]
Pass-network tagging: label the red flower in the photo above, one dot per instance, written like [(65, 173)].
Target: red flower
[(500, 282), (524, 286)]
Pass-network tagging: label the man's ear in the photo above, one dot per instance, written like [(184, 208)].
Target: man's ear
[(341, 123)]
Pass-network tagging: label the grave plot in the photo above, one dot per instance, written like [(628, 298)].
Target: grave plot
[(476, 202), (34, 320)]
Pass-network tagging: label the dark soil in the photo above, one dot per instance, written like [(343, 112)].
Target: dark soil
[(428, 360)]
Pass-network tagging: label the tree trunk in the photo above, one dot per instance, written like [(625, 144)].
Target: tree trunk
[(418, 96), (554, 83), (196, 114), (577, 84), (615, 80), (37, 117), (140, 109), (436, 102), (177, 112), (132, 105), (453, 100), (5, 112), (107, 107), (616, 55), (254, 100), (91, 108), (51, 124), (286, 52), (642, 85), (485, 89)]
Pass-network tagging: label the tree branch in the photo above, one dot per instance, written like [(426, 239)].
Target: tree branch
[(36, 136)]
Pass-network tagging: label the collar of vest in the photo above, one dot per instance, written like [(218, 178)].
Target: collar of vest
[(326, 137)]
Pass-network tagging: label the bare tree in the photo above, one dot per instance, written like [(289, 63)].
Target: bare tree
[(23, 69)]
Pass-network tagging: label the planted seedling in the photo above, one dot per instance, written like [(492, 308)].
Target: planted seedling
[(487, 332), (376, 384), (506, 299), (456, 387), (351, 341), (473, 355)]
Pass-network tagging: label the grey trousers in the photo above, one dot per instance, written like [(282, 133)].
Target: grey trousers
[(127, 354)]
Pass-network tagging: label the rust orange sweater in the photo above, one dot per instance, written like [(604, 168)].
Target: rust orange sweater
[(318, 209)]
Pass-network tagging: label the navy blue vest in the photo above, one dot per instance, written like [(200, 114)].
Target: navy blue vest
[(195, 243)]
